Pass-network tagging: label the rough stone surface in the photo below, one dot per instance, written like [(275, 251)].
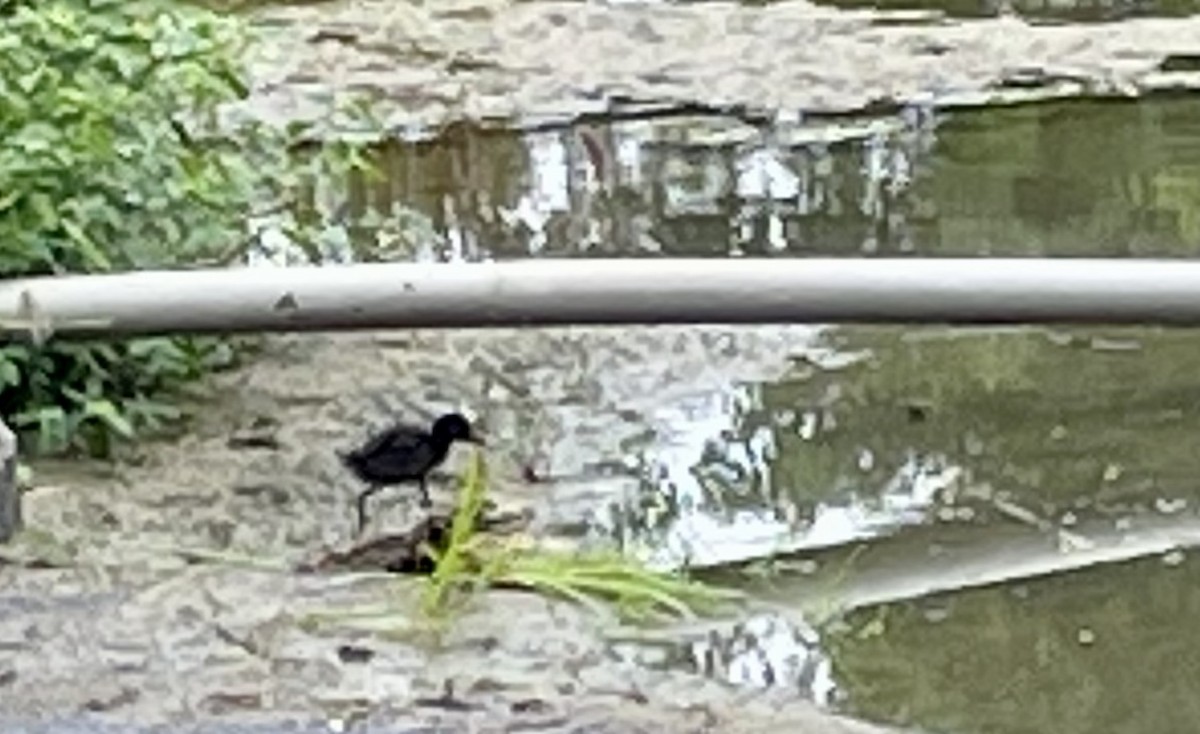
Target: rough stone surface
[(173, 601), (551, 60)]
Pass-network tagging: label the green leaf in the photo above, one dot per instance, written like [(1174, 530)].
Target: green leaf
[(9, 199), (74, 395), (108, 413), (52, 429), (93, 257), (153, 408), (10, 373), (44, 208)]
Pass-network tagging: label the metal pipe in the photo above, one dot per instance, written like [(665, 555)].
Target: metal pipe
[(618, 291)]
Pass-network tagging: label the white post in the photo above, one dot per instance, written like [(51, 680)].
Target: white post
[(10, 493)]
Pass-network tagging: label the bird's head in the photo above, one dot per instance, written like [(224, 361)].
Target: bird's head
[(454, 427)]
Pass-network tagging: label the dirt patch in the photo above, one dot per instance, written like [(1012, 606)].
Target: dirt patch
[(408, 552)]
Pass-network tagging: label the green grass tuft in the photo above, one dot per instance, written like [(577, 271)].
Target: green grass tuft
[(598, 580)]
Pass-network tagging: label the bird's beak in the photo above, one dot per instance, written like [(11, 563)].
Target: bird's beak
[(475, 438)]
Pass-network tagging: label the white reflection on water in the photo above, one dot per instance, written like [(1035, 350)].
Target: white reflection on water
[(692, 444), (768, 649)]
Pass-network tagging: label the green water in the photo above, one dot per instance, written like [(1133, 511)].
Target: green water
[(1062, 419), (1115, 650), (1073, 178)]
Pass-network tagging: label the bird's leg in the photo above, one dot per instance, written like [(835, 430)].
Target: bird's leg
[(425, 501), (362, 505)]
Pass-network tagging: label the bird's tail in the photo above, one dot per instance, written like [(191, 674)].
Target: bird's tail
[(348, 458)]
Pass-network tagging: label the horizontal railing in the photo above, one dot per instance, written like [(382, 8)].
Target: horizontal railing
[(617, 291)]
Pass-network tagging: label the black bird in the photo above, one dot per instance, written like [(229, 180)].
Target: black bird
[(405, 453)]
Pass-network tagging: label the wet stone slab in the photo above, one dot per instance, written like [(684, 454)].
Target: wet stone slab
[(577, 406), (231, 649), (487, 59), (136, 627)]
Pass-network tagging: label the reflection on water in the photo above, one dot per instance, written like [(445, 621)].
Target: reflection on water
[(1041, 451), (715, 493), (1033, 425), (1070, 178), (673, 187), (768, 650), (941, 440)]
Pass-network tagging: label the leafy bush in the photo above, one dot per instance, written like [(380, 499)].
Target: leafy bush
[(100, 171)]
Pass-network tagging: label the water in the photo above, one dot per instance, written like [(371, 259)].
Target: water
[(936, 483), (1064, 179), (1093, 651)]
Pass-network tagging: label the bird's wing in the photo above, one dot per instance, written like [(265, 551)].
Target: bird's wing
[(397, 438)]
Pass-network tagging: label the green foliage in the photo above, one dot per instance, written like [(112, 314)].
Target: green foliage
[(98, 171), (101, 106), (87, 394)]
